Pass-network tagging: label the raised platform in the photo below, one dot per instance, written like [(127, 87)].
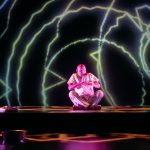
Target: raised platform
[(64, 120)]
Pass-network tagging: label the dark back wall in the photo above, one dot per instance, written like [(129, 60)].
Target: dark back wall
[(41, 43)]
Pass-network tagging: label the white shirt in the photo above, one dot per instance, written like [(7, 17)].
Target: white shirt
[(85, 89)]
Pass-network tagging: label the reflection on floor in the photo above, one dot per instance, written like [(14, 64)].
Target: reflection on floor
[(109, 141)]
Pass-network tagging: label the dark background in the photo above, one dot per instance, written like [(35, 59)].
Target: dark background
[(122, 77)]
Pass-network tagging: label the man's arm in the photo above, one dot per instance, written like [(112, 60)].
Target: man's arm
[(94, 81), (72, 86), (72, 83)]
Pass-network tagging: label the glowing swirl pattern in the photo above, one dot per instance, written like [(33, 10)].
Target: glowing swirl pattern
[(69, 11)]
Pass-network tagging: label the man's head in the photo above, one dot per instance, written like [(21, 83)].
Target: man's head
[(81, 70)]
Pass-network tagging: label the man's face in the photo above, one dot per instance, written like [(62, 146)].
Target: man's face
[(81, 70)]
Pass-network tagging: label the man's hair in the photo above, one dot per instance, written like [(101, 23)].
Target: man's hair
[(81, 65)]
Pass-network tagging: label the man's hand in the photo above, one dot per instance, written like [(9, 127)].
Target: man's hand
[(96, 84), (90, 83), (78, 85)]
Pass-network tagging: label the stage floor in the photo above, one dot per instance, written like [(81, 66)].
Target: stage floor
[(62, 119), (59, 127), (68, 109)]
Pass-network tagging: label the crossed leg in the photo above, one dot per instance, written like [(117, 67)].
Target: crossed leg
[(78, 100), (81, 101), (94, 100)]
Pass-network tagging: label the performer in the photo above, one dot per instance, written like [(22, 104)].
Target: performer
[(81, 85)]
